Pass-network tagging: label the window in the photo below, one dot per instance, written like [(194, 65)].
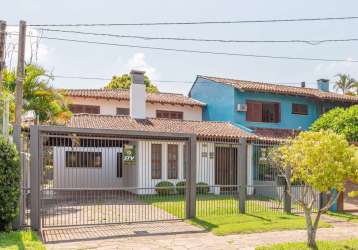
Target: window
[(119, 165), (263, 112), (122, 111), (170, 114), (80, 159), (172, 161), (156, 161), (299, 109), (88, 109)]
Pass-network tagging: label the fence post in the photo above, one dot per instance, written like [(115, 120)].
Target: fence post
[(287, 206), (242, 174), (191, 179), (35, 179)]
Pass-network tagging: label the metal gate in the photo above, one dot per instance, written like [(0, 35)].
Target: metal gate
[(95, 177)]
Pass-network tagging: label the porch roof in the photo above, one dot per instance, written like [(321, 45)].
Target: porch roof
[(275, 134), (203, 129)]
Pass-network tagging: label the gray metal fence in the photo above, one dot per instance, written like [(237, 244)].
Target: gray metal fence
[(91, 177)]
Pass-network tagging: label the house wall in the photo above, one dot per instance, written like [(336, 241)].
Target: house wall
[(104, 177), (219, 99), (109, 107), (221, 102)]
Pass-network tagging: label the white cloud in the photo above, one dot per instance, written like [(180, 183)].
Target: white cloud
[(137, 61)]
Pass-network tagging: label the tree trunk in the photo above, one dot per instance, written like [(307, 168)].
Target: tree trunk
[(311, 237), (311, 229)]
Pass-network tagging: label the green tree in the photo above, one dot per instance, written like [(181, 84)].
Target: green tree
[(345, 83), (48, 104), (124, 82), (340, 120), (322, 161)]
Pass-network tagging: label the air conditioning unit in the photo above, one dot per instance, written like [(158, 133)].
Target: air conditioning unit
[(242, 107)]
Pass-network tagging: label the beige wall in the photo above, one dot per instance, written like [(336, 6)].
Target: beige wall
[(108, 107)]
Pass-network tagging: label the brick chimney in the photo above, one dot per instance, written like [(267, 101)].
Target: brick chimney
[(323, 85), (137, 95)]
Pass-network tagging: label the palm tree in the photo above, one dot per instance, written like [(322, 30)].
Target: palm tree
[(344, 83)]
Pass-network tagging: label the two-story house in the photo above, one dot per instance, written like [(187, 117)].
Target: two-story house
[(266, 109)]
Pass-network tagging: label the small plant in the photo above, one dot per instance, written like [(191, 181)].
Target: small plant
[(9, 184), (180, 187), (164, 188), (202, 188)]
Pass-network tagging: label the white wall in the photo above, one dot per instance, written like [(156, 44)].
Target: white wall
[(109, 107), (104, 177)]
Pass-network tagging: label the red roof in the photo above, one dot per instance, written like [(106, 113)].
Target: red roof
[(283, 89), (118, 94), (203, 129), (275, 134)]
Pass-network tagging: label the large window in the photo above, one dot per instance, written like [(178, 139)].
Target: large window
[(82, 159), (156, 162), (263, 112), (122, 111), (299, 109), (88, 109), (172, 161), (170, 114)]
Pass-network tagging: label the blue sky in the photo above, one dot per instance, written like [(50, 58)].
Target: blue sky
[(101, 61)]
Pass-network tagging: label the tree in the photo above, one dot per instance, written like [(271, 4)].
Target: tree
[(48, 104), (322, 161), (340, 120), (124, 82), (345, 83)]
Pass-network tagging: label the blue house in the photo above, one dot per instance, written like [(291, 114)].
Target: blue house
[(265, 108), (270, 111)]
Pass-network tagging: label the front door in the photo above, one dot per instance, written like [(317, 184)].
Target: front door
[(226, 167)]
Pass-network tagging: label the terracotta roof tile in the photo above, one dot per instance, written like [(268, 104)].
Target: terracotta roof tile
[(275, 134), (202, 129), (282, 89), (117, 94)]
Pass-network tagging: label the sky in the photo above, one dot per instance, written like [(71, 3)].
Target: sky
[(89, 60)]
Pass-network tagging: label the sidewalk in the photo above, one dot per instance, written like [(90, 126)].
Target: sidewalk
[(207, 241)]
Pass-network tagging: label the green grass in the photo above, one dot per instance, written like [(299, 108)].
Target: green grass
[(344, 216), (322, 245), (220, 214), (20, 240)]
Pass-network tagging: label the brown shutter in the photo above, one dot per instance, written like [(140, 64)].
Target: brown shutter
[(254, 111), (172, 161), (277, 112), (156, 161)]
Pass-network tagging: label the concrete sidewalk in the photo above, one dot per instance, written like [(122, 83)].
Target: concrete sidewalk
[(207, 241)]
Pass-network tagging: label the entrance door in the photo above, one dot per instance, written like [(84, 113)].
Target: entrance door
[(226, 167)]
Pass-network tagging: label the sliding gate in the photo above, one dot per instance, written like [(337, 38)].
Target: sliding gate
[(94, 177)]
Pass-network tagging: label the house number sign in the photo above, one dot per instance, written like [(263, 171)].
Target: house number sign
[(129, 154)]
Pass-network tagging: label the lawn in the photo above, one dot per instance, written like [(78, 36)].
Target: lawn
[(220, 214), (20, 240), (322, 245), (344, 216)]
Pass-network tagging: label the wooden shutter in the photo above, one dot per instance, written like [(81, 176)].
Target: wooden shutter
[(172, 161), (277, 114), (156, 161), (122, 111), (254, 111)]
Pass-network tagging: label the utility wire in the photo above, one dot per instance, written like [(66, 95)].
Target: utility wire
[(195, 51), (109, 79), (311, 42), (199, 22)]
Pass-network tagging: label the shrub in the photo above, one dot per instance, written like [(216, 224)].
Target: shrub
[(180, 187), (202, 188), (164, 188), (9, 184)]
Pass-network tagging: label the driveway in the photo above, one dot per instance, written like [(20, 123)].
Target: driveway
[(179, 235)]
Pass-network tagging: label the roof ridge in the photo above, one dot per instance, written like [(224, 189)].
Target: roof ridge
[(254, 81)]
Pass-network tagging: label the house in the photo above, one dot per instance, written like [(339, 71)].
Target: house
[(267, 108), (99, 163)]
